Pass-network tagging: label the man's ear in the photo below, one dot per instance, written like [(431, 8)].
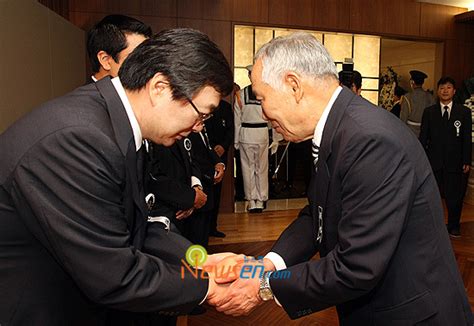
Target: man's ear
[(104, 60), (157, 86), (294, 83)]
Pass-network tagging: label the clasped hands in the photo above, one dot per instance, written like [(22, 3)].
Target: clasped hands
[(234, 282)]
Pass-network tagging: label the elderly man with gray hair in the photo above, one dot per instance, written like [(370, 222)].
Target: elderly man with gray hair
[(374, 212)]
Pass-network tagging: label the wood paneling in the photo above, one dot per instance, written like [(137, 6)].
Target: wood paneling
[(331, 14), (61, 7), (438, 21), (219, 31), (385, 16), (205, 9), (278, 12), (300, 13), (254, 11)]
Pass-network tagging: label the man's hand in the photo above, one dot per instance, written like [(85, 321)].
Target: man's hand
[(219, 168), (219, 150), (184, 213), (200, 198), (466, 168), (216, 292), (242, 295)]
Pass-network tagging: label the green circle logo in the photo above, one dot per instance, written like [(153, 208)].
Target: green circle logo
[(196, 255)]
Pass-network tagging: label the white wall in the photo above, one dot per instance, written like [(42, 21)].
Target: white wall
[(42, 56)]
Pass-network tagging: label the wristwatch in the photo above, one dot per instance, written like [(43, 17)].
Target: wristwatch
[(265, 292)]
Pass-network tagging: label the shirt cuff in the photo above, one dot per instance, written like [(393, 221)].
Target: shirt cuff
[(205, 297), (195, 182), (279, 263), (276, 260)]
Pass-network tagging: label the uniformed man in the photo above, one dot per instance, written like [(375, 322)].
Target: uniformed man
[(251, 138), (415, 102)]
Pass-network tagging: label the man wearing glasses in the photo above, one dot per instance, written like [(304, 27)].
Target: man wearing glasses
[(72, 216)]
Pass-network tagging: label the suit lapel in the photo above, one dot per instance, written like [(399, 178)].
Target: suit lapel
[(125, 140), (184, 156), (323, 174)]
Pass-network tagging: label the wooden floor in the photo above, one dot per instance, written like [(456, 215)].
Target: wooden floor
[(254, 234)]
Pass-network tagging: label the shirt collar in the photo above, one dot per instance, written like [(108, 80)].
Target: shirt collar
[(94, 79), (137, 133), (318, 132), (450, 105)]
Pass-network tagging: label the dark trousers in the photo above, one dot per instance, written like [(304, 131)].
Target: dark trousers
[(196, 227), (452, 187), (215, 211)]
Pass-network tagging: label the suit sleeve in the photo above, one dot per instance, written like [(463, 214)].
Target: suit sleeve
[(467, 136), (425, 129), (376, 192), (301, 228), (229, 127), (237, 121), (71, 185), (166, 188), (404, 109)]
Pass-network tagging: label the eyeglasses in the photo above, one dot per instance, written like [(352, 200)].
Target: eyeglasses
[(202, 116)]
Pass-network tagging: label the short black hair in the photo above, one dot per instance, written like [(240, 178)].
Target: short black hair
[(349, 78), (399, 91), (357, 79), (446, 80), (109, 35), (186, 57)]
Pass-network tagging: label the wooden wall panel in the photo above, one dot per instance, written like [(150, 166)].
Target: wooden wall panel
[(94, 6), (331, 14), (278, 12), (205, 9), (252, 11), (454, 58), (86, 20), (300, 13), (60, 7), (219, 31), (438, 21), (399, 17)]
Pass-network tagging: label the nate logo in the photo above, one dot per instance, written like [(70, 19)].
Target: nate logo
[(196, 257)]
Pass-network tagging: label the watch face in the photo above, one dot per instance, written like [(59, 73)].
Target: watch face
[(266, 294)]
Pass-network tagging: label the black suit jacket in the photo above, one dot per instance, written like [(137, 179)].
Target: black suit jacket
[(72, 219), (447, 147), (205, 159), (220, 128), (170, 179), (386, 258)]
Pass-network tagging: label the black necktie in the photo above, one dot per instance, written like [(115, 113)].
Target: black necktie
[(314, 152), (446, 114)]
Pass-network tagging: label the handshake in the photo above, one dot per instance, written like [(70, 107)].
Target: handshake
[(234, 282)]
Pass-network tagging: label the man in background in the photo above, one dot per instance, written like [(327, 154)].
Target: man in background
[(220, 129), (111, 40), (446, 136), (251, 139), (415, 102)]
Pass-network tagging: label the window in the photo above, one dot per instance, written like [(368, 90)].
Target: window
[(363, 49)]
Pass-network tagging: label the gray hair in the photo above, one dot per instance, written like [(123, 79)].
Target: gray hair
[(299, 52)]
